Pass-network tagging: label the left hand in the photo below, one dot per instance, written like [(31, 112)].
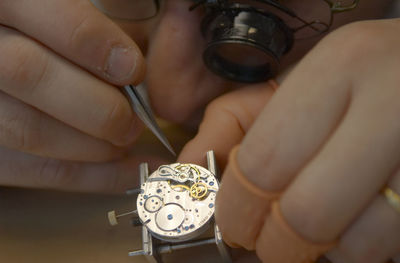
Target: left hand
[(328, 140), (59, 109), (19, 169)]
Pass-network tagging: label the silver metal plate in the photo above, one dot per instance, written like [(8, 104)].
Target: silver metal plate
[(177, 201)]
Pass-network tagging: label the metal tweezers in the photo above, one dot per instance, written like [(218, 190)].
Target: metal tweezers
[(144, 112)]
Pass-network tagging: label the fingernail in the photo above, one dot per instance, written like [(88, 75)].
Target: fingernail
[(121, 63)]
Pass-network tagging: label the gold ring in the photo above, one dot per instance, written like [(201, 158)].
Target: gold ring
[(392, 198)]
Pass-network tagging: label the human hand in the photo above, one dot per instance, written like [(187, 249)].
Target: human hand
[(59, 63), (327, 143), (181, 86)]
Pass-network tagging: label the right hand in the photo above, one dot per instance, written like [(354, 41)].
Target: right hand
[(181, 86), (59, 61)]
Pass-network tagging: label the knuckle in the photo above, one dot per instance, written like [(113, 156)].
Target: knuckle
[(54, 173), (218, 107), (29, 139), (26, 68), (90, 36), (80, 30), (229, 106), (22, 132), (117, 184), (115, 118)]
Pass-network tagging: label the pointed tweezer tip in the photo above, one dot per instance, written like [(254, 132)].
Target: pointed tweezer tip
[(170, 149), (144, 112)]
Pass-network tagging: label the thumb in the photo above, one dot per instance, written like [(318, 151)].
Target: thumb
[(76, 30)]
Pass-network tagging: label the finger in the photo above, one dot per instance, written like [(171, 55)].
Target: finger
[(339, 183), (26, 129), (196, 86), (23, 170), (287, 133), (78, 31), (374, 236), (357, 175), (292, 129), (44, 80), (311, 102), (294, 124), (225, 122), (240, 211)]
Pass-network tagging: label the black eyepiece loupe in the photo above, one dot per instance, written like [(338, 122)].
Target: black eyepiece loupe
[(245, 44)]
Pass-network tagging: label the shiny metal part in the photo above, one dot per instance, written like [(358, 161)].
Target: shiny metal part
[(212, 164), (113, 217), (173, 247), (170, 217), (177, 214), (148, 250), (338, 6), (175, 204), (134, 191), (222, 247), (144, 112)]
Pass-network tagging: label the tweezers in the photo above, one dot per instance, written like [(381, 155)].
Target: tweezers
[(144, 112)]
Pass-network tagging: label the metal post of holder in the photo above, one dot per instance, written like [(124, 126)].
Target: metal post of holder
[(170, 248), (212, 164), (222, 247), (149, 249)]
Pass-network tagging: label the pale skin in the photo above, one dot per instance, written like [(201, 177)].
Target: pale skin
[(309, 127), (328, 139), (59, 100)]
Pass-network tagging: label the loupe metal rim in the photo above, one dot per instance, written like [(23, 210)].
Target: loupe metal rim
[(233, 33), (214, 12), (245, 74), (234, 7)]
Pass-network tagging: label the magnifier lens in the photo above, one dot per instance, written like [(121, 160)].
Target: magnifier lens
[(245, 44), (241, 54), (240, 61)]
